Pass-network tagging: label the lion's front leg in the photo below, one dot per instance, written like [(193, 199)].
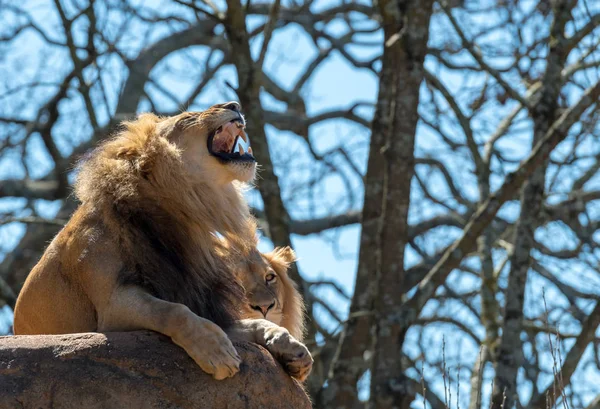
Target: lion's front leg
[(131, 308), (291, 353)]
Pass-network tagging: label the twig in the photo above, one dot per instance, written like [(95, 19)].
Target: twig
[(444, 370), (268, 32), (479, 58)]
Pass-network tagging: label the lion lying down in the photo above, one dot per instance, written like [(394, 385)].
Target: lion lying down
[(142, 250), (271, 294)]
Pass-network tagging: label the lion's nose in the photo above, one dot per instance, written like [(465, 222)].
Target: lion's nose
[(233, 106), (264, 309)]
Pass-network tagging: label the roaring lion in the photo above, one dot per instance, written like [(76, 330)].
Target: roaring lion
[(144, 248)]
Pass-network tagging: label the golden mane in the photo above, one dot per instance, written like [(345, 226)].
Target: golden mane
[(164, 219), (293, 308)]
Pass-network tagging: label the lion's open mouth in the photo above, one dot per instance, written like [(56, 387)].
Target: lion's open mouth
[(229, 143)]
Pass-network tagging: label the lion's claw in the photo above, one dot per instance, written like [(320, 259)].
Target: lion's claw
[(300, 369), (211, 348), (291, 353)]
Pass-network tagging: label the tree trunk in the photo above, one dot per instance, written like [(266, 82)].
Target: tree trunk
[(406, 30), (249, 78), (510, 351), (379, 281)]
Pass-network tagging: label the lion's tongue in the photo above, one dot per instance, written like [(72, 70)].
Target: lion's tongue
[(225, 137), (220, 143)]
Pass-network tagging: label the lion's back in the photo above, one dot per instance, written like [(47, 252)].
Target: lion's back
[(51, 300)]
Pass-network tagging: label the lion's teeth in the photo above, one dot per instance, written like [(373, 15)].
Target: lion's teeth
[(241, 150), (250, 150), (244, 136)]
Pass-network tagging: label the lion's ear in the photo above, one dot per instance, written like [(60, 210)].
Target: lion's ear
[(286, 255), (171, 128), (128, 151)]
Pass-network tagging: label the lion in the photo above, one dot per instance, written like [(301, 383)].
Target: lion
[(142, 251), (270, 293)]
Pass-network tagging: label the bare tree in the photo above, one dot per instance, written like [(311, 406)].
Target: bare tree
[(472, 171)]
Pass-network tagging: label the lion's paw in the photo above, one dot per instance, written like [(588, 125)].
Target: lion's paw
[(291, 353), (212, 350)]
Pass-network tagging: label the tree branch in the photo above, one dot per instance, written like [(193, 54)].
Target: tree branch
[(486, 212)]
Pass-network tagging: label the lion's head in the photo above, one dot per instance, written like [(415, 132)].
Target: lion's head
[(270, 292), (206, 147), (214, 143)]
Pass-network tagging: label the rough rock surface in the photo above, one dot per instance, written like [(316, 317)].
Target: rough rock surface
[(133, 370)]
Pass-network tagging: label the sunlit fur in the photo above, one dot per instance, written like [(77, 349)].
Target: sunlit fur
[(167, 160), (152, 200)]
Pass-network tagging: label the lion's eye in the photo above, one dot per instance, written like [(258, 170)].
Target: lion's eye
[(270, 277)]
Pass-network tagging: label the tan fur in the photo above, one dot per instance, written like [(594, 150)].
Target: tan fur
[(276, 300), (141, 252)]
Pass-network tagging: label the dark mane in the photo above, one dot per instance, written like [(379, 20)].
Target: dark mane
[(169, 269)]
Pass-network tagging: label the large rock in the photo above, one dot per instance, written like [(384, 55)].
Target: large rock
[(133, 370)]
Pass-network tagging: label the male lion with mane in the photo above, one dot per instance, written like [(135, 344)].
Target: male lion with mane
[(143, 251)]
